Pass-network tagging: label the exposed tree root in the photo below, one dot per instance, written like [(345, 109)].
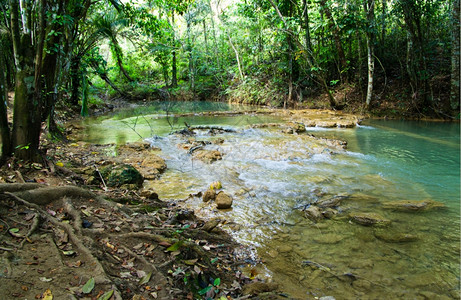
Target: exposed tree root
[(99, 273)]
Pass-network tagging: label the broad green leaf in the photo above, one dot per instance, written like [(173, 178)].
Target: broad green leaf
[(89, 286), (205, 290), (217, 282), (14, 230), (145, 279), (106, 295)]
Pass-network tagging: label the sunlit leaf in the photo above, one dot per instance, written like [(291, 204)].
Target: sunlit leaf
[(89, 286), (217, 282), (145, 279), (14, 230), (175, 246)]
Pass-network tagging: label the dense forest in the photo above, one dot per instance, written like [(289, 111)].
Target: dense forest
[(396, 57)]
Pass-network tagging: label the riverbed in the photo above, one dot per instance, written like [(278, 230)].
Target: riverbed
[(274, 175)]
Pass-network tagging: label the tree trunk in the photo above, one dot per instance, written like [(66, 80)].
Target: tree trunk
[(306, 27), (174, 75), (4, 127), (334, 28), (117, 50), (26, 110), (75, 80), (369, 7), (236, 56), (455, 53)]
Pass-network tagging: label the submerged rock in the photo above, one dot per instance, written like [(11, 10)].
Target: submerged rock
[(369, 219), (256, 288), (393, 236), (329, 238), (208, 156), (313, 213), (223, 201), (413, 205)]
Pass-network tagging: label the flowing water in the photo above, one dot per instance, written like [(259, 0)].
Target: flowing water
[(272, 176)]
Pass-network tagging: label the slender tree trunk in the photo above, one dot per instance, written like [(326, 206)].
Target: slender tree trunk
[(190, 56), (117, 50), (369, 7), (205, 35), (75, 80), (174, 75), (236, 56), (334, 28), (455, 53), (306, 27)]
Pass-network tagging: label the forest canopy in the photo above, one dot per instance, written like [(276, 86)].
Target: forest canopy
[(386, 56)]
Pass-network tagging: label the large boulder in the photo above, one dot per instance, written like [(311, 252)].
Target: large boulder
[(124, 174), (369, 219), (223, 200)]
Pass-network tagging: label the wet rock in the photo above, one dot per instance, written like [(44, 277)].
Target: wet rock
[(149, 194), (327, 298), (331, 202), (392, 236), (329, 238), (329, 213), (297, 127), (256, 288), (313, 213), (285, 249), (136, 146), (361, 264), (369, 219), (288, 130), (210, 225), (208, 156), (124, 174), (223, 201), (209, 195), (413, 205), (154, 162)]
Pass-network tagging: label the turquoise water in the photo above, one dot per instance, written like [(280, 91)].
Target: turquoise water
[(271, 174)]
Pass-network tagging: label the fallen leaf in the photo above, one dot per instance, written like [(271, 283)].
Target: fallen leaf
[(24, 288), (175, 246), (145, 279), (44, 279), (154, 295), (164, 244), (89, 286), (191, 262), (47, 295), (68, 253), (14, 230), (106, 295)]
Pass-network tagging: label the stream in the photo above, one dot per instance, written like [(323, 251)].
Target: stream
[(272, 176)]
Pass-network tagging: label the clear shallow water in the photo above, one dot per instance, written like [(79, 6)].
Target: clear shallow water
[(271, 174)]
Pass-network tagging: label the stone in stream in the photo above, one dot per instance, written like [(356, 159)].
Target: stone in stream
[(329, 213), (223, 201), (328, 238), (413, 205), (313, 213), (208, 156), (209, 195), (394, 236), (152, 166), (369, 219)]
